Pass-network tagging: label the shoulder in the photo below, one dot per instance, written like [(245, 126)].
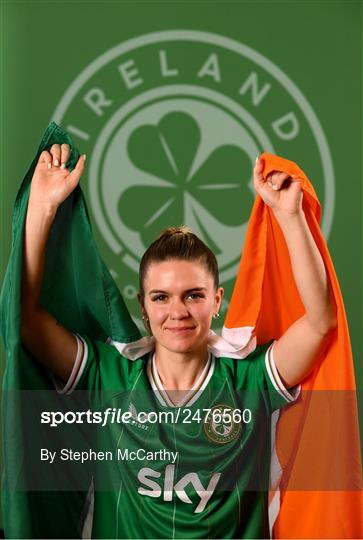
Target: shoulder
[(258, 372), (105, 367), (246, 369), (106, 350)]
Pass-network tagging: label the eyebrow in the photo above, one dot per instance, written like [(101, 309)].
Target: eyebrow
[(153, 291)]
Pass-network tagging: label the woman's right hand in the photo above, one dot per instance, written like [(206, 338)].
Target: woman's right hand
[(52, 182)]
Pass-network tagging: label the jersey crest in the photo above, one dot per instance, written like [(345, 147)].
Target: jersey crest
[(219, 424)]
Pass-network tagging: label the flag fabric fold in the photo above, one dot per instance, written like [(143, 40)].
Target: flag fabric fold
[(316, 446), (80, 292)]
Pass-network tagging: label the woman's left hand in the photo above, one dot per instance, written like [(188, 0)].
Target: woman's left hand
[(280, 192)]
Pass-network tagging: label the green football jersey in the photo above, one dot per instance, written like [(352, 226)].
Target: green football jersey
[(199, 470)]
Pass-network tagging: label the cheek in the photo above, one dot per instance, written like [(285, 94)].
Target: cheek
[(203, 314), (156, 313)]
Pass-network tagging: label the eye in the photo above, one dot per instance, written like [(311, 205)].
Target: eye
[(159, 298), (195, 296)]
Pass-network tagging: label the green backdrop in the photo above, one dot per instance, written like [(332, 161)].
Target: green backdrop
[(172, 101)]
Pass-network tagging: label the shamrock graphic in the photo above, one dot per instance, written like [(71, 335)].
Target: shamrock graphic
[(222, 429), (167, 151)]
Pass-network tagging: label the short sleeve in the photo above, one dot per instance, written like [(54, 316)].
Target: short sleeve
[(279, 395), (261, 372), (73, 379), (98, 367)]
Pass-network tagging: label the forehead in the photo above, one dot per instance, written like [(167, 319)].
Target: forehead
[(177, 274)]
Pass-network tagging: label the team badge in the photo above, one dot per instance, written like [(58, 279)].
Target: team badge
[(219, 424)]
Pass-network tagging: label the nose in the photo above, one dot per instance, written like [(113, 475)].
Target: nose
[(178, 310)]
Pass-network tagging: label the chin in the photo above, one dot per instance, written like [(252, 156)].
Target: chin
[(183, 345), (179, 347)]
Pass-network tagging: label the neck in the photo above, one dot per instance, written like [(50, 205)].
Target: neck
[(180, 371)]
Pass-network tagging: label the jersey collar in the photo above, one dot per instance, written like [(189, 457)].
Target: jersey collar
[(191, 396)]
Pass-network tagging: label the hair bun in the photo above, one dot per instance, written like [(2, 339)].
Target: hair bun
[(170, 231)]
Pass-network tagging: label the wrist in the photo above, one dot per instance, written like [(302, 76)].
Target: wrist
[(46, 211), (288, 220)]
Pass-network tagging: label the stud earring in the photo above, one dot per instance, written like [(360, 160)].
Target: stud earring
[(145, 318), (216, 315)]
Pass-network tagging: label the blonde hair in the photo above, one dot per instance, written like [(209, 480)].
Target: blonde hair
[(178, 243)]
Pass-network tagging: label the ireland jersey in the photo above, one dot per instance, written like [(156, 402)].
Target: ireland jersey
[(193, 468)]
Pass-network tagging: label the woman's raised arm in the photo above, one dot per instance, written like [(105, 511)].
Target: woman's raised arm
[(49, 342), (297, 350)]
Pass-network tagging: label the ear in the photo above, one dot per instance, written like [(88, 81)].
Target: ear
[(141, 301), (145, 321), (218, 297)]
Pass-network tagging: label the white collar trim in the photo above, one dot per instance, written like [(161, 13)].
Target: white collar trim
[(190, 397), (233, 343)]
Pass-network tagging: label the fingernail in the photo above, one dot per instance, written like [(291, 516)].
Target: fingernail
[(49, 165), (56, 163), (256, 159), (84, 157), (63, 166), (269, 183), (275, 187)]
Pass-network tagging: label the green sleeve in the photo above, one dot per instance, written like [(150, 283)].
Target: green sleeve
[(258, 371), (100, 368), (278, 395)]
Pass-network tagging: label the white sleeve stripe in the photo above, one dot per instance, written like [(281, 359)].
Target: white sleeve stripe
[(268, 368), (290, 396), (81, 364), (63, 389), (291, 393), (76, 363), (277, 376), (77, 370)]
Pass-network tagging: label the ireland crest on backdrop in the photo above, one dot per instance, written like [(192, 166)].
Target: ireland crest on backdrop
[(172, 123)]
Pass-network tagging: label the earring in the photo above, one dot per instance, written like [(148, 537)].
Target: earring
[(145, 318), (216, 315)]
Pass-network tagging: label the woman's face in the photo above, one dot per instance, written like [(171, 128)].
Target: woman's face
[(180, 301)]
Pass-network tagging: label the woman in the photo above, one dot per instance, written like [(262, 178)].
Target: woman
[(215, 483)]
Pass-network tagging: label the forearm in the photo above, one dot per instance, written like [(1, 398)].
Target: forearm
[(37, 228), (308, 270)]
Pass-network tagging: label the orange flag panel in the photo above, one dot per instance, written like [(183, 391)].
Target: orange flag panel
[(317, 438)]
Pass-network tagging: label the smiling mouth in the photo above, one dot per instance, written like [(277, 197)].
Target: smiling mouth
[(181, 330)]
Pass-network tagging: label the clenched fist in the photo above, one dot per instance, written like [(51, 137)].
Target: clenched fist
[(279, 191)]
